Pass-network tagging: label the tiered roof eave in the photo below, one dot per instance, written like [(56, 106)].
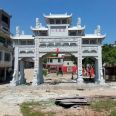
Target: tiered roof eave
[(58, 15), (23, 37), (76, 28), (39, 29), (94, 36)]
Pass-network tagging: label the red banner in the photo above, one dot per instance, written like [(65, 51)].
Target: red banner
[(57, 50)]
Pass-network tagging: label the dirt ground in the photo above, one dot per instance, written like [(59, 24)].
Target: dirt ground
[(11, 97)]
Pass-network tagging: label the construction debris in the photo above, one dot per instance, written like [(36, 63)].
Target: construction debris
[(68, 102)]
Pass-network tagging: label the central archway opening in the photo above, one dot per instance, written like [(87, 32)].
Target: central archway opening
[(59, 68)]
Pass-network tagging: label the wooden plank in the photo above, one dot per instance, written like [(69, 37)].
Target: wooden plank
[(71, 101), (77, 97)]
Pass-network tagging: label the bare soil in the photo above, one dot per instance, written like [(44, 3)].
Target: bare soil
[(12, 97)]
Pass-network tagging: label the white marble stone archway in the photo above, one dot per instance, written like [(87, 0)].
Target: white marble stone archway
[(18, 76)]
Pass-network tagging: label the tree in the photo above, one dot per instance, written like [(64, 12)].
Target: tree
[(109, 54), (88, 60)]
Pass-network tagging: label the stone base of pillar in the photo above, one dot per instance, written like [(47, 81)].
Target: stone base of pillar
[(80, 80), (35, 79), (22, 81), (14, 83), (18, 81), (41, 80), (34, 82), (101, 82)]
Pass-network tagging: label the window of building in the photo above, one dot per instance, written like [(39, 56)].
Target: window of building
[(64, 21), (99, 41), (7, 57), (15, 42), (42, 45), (57, 44), (58, 21), (92, 41), (67, 63), (5, 19), (86, 51), (36, 33), (22, 52), (23, 42), (79, 32), (51, 44), (5, 29), (5, 42), (59, 60), (65, 44), (72, 33), (51, 60), (30, 42), (43, 33), (51, 21), (93, 51), (2, 40), (9, 42), (73, 44), (30, 52), (0, 55), (85, 41)]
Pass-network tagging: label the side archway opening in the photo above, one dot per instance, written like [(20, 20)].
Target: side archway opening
[(89, 69)]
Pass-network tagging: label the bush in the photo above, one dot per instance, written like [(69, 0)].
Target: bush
[(45, 72)]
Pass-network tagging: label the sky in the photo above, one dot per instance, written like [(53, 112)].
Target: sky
[(92, 13)]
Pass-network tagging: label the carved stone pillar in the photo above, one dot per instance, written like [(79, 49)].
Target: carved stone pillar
[(79, 76), (35, 80), (40, 80), (96, 70), (100, 78), (15, 80), (22, 79)]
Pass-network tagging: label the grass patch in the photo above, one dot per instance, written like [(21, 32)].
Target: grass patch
[(35, 108), (113, 113), (107, 105)]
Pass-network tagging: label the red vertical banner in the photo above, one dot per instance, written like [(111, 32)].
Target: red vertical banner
[(57, 50)]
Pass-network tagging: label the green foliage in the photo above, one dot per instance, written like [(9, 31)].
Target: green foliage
[(45, 72), (113, 113), (109, 54), (27, 109), (107, 105), (88, 60), (35, 109), (74, 59), (59, 72)]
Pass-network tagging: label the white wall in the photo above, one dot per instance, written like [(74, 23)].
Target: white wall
[(66, 63)]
